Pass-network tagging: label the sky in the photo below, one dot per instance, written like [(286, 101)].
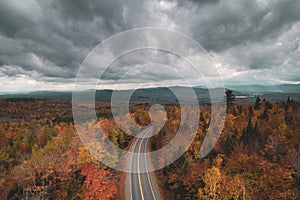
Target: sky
[(43, 43)]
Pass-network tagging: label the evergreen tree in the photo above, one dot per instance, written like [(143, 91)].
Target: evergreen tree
[(247, 132), (229, 97), (250, 111), (229, 145), (267, 107), (257, 103)]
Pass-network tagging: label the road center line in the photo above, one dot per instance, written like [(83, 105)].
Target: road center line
[(139, 175)]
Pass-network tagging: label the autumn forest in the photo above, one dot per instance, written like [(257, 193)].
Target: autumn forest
[(256, 157)]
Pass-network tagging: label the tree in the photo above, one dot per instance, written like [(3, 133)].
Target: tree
[(211, 180), (5, 159), (268, 106), (51, 171), (234, 188), (98, 184), (247, 133), (257, 103), (230, 144), (229, 97)]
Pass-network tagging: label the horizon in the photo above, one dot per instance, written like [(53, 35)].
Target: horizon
[(268, 88)]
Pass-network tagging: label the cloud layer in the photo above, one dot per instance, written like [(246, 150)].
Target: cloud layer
[(42, 43)]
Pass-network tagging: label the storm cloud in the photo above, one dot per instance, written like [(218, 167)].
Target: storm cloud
[(44, 42)]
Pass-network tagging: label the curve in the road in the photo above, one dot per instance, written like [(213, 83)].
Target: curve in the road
[(140, 183)]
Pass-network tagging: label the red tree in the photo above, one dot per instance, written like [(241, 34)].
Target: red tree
[(97, 183)]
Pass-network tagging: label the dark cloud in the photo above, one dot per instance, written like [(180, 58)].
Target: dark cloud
[(45, 39), (225, 24), (58, 33)]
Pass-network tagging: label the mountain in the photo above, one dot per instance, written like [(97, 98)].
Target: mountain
[(256, 89), (271, 93), (165, 95)]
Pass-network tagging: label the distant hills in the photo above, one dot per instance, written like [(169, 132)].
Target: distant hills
[(161, 94), (257, 89)]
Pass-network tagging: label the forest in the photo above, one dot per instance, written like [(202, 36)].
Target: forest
[(256, 157)]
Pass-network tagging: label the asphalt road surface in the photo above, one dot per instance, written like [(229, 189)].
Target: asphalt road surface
[(140, 183)]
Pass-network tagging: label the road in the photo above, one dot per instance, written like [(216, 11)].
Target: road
[(141, 187)]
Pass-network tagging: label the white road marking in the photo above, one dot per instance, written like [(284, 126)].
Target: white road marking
[(148, 172)]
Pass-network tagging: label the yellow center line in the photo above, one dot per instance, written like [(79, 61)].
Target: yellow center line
[(139, 176)]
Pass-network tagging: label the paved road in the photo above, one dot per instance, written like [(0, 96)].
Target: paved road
[(140, 183)]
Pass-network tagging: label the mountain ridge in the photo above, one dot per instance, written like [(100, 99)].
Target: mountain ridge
[(278, 92)]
